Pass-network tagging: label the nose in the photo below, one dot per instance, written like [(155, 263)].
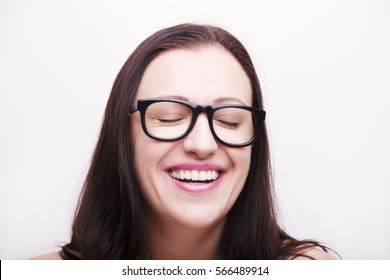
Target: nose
[(200, 141)]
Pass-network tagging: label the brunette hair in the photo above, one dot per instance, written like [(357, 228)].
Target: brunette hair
[(109, 221)]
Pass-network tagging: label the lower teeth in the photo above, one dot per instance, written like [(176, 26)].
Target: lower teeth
[(194, 182)]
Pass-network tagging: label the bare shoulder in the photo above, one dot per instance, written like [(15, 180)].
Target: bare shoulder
[(49, 256), (316, 254)]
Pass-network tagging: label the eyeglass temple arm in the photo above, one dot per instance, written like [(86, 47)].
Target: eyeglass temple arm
[(133, 107)]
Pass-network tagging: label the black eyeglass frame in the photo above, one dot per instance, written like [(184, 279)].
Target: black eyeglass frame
[(142, 104)]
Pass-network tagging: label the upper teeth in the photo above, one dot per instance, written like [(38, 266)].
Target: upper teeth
[(195, 175)]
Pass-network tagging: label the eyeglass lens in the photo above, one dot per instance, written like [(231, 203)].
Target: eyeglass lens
[(169, 120)]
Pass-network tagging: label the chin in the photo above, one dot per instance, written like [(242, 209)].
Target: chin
[(200, 221)]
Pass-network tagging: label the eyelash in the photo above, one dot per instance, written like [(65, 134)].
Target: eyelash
[(229, 124), (170, 121)]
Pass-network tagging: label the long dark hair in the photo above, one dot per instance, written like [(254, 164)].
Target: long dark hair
[(109, 221)]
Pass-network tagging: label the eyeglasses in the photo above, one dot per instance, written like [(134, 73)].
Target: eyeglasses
[(171, 120)]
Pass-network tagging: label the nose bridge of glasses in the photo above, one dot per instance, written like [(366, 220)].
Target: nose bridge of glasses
[(199, 110), (202, 110)]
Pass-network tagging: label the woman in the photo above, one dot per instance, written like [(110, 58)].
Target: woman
[(182, 168)]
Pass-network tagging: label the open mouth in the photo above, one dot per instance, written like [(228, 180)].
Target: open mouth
[(195, 176)]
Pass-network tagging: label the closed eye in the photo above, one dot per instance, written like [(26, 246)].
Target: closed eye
[(228, 124), (172, 121)]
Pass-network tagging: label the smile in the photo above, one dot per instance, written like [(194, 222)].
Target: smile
[(196, 178), (194, 175)]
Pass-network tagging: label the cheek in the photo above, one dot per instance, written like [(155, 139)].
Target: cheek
[(140, 144), (148, 155), (241, 159)]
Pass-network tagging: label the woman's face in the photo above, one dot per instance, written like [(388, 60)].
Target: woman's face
[(206, 75)]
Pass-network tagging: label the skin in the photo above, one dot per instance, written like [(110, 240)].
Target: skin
[(184, 225), (314, 253)]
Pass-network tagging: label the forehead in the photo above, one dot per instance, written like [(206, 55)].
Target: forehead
[(200, 75)]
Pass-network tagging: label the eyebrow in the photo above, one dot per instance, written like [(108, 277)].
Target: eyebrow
[(229, 99), (216, 101)]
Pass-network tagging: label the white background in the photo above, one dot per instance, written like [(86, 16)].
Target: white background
[(325, 72)]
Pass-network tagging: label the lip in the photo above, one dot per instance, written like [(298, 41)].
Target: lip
[(196, 166), (198, 187)]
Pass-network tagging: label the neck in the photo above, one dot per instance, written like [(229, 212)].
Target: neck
[(175, 241)]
